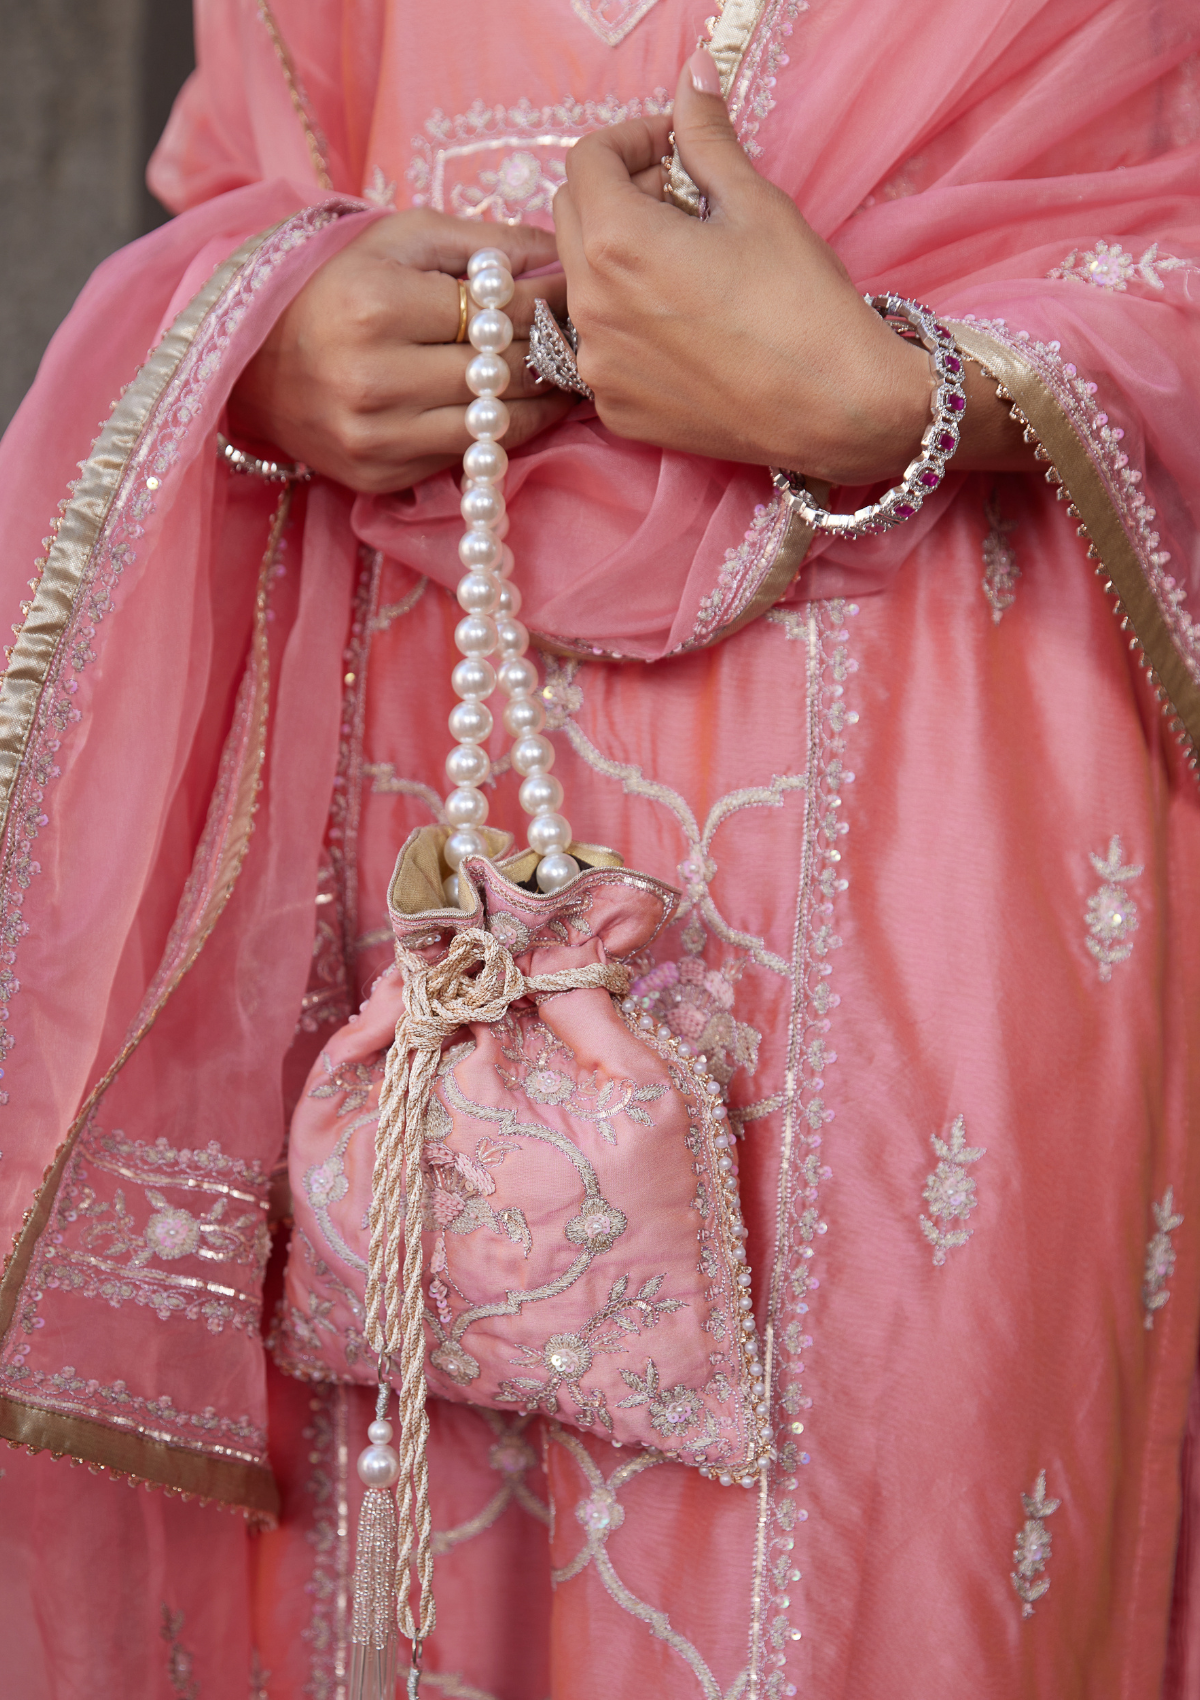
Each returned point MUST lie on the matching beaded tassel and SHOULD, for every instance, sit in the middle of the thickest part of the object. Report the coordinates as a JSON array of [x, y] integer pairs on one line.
[[373, 1630]]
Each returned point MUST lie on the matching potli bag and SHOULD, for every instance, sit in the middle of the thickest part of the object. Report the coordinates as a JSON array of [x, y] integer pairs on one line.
[[511, 1187]]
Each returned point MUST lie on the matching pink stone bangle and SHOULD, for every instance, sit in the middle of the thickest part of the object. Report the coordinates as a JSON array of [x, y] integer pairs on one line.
[[922, 475]]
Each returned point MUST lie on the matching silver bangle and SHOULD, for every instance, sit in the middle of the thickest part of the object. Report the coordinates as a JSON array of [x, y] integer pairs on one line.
[[272, 471], [922, 475]]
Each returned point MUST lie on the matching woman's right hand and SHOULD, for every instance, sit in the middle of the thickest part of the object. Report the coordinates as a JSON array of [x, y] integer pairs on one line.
[[361, 377]]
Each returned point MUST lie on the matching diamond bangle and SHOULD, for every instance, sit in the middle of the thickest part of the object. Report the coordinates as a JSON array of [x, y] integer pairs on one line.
[[272, 471], [922, 475]]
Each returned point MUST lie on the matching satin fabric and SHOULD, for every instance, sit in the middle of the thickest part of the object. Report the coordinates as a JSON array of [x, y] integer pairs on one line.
[[918, 825]]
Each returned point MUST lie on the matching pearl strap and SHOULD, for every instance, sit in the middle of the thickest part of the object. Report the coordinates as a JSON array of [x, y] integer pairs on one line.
[[490, 604], [922, 475]]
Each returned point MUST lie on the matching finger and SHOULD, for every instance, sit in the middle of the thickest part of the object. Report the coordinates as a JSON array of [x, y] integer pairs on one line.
[[552, 289], [616, 154], [708, 146], [651, 182], [569, 231], [600, 175], [436, 242]]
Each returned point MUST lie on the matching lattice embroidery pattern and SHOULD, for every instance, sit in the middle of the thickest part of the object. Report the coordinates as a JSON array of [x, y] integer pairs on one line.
[[1104, 440], [950, 1191], [1112, 916], [1032, 1551], [1109, 266], [1000, 569], [1160, 1256], [520, 181], [611, 20]]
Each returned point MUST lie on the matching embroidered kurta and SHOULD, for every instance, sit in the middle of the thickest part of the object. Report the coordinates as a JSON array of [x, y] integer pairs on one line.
[[938, 843]]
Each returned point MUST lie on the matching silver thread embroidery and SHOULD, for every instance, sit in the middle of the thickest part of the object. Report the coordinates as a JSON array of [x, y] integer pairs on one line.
[[1109, 266], [1000, 569], [1160, 1256], [1112, 914], [950, 1191], [1032, 1552]]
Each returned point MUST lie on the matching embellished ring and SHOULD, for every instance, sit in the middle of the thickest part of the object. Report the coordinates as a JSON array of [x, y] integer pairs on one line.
[[552, 352], [464, 302], [923, 475], [271, 471]]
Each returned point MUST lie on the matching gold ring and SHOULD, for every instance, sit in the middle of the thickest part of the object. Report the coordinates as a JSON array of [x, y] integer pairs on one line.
[[463, 304]]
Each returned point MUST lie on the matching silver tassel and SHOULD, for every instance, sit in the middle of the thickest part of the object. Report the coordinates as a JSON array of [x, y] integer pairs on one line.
[[373, 1630]]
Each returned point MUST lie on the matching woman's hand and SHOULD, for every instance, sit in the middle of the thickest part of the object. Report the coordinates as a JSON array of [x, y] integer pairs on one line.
[[361, 376], [740, 337]]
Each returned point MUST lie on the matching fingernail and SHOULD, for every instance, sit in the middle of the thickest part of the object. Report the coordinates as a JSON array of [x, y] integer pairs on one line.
[[706, 79]]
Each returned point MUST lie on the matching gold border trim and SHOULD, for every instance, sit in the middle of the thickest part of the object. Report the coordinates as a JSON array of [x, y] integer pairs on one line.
[[1040, 410], [731, 36], [245, 1487]]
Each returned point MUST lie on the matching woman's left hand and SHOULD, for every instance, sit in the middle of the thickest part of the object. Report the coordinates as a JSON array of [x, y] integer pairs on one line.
[[741, 337]]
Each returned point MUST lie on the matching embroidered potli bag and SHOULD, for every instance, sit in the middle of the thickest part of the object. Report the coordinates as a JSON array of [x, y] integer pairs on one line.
[[511, 1187]]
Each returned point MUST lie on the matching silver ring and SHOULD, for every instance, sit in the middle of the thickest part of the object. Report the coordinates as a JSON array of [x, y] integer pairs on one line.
[[552, 352]]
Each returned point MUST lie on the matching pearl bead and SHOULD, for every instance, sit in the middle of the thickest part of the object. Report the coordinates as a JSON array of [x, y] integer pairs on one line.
[[523, 715], [511, 636], [473, 678], [466, 807], [478, 593], [378, 1466], [547, 833], [451, 892], [501, 526], [484, 259], [541, 794], [492, 287], [380, 1432], [555, 871], [476, 635], [532, 753], [490, 332], [486, 461], [488, 374], [518, 677], [510, 598], [479, 549], [467, 764], [470, 722], [487, 416], [507, 561], [461, 844], [482, 504]]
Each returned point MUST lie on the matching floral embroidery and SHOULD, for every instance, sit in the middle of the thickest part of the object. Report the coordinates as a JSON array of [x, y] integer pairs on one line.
[[611, 20], [326, 1183], [1160, 1256], [673, 1410], [696, 1002], [535, 1053], [742, 570], [1000, 569], [751, 98], [950, 1191], [115, 1405], [1109, 266], [295, 1338], [379, 191], [355, 1080], [512, 1457], [521, 182], [568, 1357], [1032, 1551], [179, 1660], [1111, 912]]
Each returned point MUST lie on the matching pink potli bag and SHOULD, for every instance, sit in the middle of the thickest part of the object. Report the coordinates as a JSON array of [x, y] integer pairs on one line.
[[510, 1187]]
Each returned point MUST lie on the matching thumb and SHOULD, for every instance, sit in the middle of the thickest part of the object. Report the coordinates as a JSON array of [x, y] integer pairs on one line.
[[708, 146]]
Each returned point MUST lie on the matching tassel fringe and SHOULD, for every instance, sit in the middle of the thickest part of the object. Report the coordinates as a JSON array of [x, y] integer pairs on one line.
[[373, 1632]]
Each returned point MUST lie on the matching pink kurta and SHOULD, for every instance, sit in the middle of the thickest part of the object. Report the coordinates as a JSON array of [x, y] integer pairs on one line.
[[938, 844]]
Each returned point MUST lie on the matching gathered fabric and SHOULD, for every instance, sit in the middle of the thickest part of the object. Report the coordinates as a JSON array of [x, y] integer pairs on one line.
[[929, 805]]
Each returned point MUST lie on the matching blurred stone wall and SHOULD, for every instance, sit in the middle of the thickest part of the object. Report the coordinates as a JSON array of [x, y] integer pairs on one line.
[[85, 89]]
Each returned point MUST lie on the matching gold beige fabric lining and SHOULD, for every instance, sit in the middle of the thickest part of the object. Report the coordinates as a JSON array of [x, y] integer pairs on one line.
[[1037, 407]]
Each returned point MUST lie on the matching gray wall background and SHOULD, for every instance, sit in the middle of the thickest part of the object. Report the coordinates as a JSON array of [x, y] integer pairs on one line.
[[85, 89]]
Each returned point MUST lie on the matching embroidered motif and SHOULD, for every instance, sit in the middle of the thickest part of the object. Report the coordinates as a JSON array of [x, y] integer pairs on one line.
[[1112, 914], [512, 1457], [355, 1080], [1104, 440], [295, 1338], [379, 191], [179, 1660], [326, 1183], [1160, 1256], [327, 1632], [154, 1419], [1032, 1552], [696, 1002], [743, 567], [950, 1191], [1000, 569], [586, 1097], [568, 1357], [522, 181], [1109, 266], [751, 98], [611, 20], [673, 1410]]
